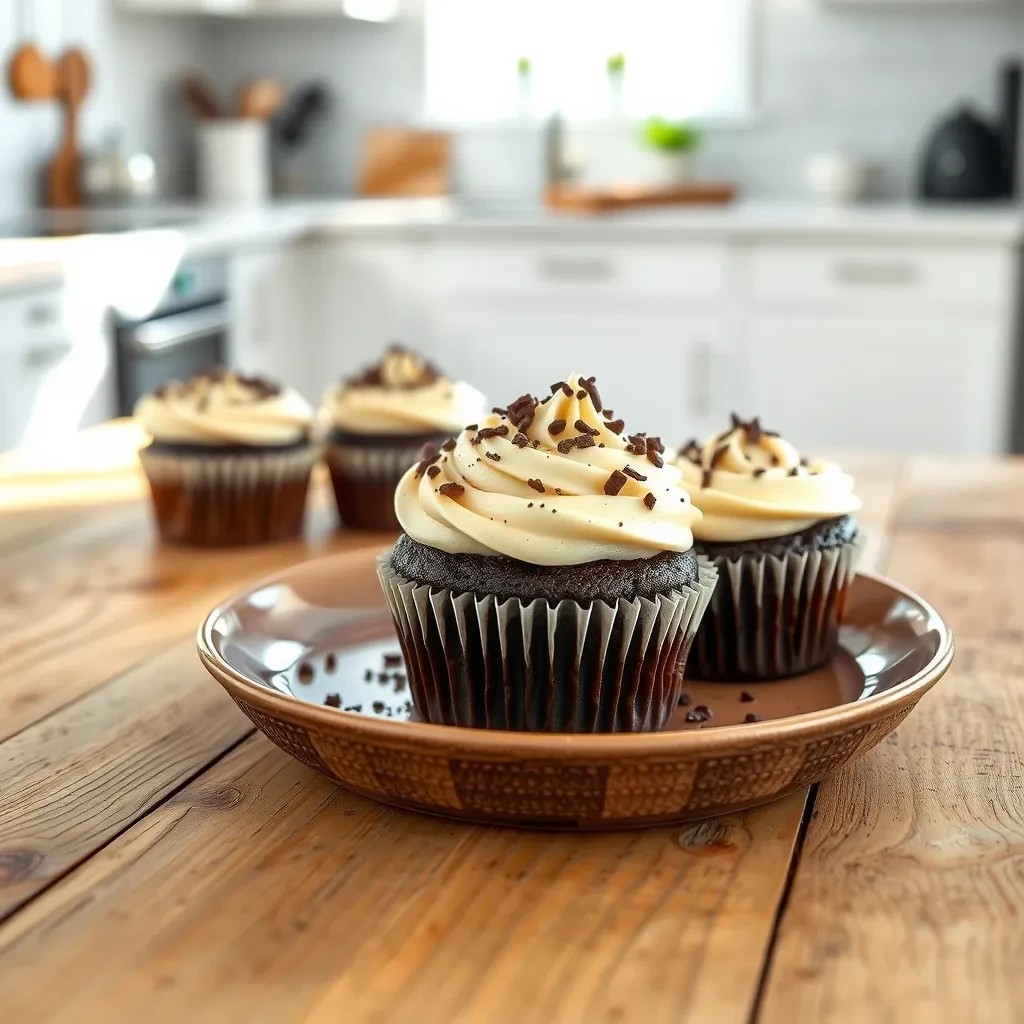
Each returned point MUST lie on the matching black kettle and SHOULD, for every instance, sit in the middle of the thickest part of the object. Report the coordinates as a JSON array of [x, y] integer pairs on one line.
[[967, 158]]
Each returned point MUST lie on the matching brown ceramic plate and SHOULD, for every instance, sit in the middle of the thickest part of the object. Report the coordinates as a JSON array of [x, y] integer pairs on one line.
[[321, 628]]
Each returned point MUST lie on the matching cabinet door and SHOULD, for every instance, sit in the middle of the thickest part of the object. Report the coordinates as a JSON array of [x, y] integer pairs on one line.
[[881, 384], [666, 375]]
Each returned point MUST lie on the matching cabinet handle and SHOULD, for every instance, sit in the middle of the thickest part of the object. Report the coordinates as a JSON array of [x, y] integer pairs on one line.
[[38, 356], [700, 380], [41, 313], [576, 268], [892, 273]]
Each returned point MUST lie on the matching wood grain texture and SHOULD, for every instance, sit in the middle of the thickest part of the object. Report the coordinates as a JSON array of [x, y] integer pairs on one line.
[[908, 898], [261, 876], [72, 782]]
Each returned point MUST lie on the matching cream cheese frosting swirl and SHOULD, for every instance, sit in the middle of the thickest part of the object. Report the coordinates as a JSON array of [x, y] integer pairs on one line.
[[225, 408], [402, 394], [549, 483], [751, 484]]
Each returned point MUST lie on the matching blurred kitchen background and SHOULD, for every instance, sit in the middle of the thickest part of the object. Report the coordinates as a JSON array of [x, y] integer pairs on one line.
[[804, 209]]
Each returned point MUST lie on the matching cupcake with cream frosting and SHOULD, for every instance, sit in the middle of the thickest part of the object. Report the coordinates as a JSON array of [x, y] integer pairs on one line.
[[780, 529], [379, 421], [546, 578], [230, 459]]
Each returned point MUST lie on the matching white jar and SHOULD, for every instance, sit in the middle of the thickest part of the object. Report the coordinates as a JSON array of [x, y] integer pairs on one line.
[[233, 160]]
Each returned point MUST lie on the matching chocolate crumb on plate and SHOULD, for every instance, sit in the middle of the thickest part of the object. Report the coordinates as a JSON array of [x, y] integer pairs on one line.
[[379, 706], [333, 700], [751, 717], [368, 675], [330, 662], [306, 673], [685, 700], [701, 713], [760, 471], [746, 698], [393, 661]]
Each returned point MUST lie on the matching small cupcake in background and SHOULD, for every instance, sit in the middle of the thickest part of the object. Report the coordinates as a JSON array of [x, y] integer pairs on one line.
[[546, 579], [230, 459], [780, 530], [379, 421]]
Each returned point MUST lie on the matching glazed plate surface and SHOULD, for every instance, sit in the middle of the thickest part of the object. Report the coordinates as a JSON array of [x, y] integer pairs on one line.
[[320, 631]]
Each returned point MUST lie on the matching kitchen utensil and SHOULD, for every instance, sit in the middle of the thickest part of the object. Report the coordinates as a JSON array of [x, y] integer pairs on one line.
[[233, 160], [31, 75], [110, 174], [74, 75], [403, 162], [298, 115], [200, 97], [623, 197], [837, 178], [285, 646], [260, 98]]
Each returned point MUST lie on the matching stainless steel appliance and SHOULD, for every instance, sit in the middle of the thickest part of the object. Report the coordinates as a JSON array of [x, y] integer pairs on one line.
[[186, 332]]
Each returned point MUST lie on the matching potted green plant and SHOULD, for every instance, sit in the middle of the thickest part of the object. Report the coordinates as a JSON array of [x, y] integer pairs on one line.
[[675, 143], [615, 68]]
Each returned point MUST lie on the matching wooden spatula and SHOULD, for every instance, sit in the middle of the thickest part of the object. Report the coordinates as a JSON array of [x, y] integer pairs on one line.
[[73, 85]]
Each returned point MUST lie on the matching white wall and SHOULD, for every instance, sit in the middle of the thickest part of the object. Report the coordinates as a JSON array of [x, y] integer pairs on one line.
[[871, 80], [136, 62]]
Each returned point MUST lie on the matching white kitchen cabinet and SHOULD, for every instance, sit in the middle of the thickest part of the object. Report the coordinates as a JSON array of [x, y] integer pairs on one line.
[[35, 350], [364, 10], [881, 383], [270, 295], [665, 374]]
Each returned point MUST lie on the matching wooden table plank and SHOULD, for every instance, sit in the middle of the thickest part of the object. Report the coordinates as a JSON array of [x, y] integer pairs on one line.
[[71, 783], [907, 900], [261, 877]]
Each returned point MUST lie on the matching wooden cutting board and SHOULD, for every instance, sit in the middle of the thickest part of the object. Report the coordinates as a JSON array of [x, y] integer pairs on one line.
[[623, 197], [403, 162]]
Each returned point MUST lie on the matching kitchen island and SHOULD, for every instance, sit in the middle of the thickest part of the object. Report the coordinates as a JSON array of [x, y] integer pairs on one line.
[[159, 859]]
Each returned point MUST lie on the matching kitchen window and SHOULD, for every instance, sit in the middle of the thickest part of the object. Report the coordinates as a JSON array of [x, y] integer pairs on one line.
[[488, 60]]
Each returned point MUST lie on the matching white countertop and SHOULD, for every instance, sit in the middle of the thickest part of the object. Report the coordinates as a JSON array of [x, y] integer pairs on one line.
[[109, 236]]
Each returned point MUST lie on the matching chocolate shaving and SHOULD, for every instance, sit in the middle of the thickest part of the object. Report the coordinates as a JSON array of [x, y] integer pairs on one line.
[[333, 700], [616, 426], [649, 500], [306, 672], [795, 471], [433, 471], [591, 388], [585, 428], [655, 459], [615, 483], [630, 471], [566, 390], [489, 432], [655, 444], [719, 455], [705, 478], [521, 441], [555, 427], [521, 411], [449, 445], [760, 471], [691, 451], [451, 489], [737, 422], [770, 433], [493, 456], [373, 376], [430, 454], [584, 441], [536, 485], [581, 393], [753, 431]]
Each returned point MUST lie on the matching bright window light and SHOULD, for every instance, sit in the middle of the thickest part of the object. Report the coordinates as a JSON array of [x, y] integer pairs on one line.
[[682, 58]]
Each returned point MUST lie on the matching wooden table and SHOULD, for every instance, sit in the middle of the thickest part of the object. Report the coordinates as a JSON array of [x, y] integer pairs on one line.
[[161, 861]]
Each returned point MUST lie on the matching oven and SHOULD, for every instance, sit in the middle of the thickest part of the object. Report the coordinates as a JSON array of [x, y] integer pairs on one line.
[[187, 331]]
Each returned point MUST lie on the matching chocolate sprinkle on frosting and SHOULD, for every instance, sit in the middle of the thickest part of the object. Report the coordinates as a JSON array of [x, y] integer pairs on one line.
[[615, 483], [449, 445], [433, 471], [581, 393], [451, 490], [630, 471], [566, 390], [493, 456], [705, 478], [488, 432], [555, 427], [430, 454], [616, 426], [649, 500], [795, 471], [521, 440], [760, 471], [655, 459], [373, 376], [585, 428], [537, 485], [521, 411], [591, 389]]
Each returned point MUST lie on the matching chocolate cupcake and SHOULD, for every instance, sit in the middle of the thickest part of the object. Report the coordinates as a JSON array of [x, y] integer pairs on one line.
[[229, 461], [379, 422], [546, 579], [781, 532]]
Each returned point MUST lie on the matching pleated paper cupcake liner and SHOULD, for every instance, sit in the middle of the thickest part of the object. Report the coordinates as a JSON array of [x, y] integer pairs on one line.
[[774, 616], [364, 480], [480, 661], [228, 500]]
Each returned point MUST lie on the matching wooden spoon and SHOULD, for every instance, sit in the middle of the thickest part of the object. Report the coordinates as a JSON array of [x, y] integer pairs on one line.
[[200, 97], [73, 72], [31, 75], [260, 98]]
